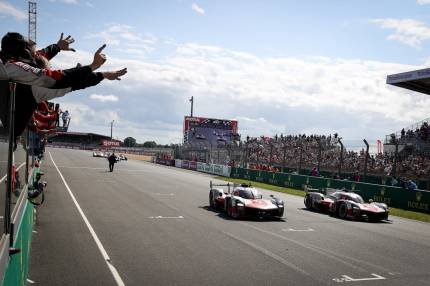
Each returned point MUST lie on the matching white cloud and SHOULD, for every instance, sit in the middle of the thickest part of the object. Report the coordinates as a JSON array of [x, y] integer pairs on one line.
[[73, 2], [104, 98], [423, 2], [125, 39], [196, 8], [8, 9], [407, 31], [267, 95]]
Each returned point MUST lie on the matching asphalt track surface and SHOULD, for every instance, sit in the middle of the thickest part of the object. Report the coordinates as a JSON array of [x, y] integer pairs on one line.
[[157, 229]]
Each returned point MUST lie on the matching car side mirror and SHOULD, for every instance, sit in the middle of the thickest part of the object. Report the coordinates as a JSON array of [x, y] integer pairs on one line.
[[370, 201]]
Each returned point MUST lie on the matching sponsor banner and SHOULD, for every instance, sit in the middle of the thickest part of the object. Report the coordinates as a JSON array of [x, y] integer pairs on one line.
[[185, 164], [165, 162], [193, 165], [108, 143], [220, 170]]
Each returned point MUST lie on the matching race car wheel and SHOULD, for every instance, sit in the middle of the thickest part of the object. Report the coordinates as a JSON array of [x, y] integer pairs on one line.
[[211, 200], [308, 202], [342, 211], [229, 209]]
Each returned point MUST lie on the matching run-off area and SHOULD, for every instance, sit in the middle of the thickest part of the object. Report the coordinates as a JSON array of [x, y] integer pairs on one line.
[[155, 224]]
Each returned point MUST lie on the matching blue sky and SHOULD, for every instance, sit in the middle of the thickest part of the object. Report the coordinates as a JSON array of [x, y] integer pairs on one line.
[[276, 66]]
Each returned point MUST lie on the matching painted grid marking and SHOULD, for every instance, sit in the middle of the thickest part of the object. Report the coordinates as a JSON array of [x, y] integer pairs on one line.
[[103, 252]]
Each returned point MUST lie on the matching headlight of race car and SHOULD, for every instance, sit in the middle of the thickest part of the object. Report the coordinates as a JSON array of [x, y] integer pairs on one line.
[[383, 206], [238, 204]]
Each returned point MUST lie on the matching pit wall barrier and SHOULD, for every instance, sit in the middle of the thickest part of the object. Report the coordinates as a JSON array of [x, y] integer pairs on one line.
[[17, 269], [215, 169], [220, 170], [165, 162], [418, 200], [23, 220]]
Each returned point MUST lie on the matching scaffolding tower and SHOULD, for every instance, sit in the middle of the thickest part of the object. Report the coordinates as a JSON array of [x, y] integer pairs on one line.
[[32, 16]]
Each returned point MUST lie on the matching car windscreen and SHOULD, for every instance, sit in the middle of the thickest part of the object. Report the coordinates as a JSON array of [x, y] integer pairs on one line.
[[250, 194], [356, 198]]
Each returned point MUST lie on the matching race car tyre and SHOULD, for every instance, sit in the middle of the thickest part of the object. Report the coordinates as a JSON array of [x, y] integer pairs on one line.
[[229, 209], [308, 202], [342, 211], [211, 200]]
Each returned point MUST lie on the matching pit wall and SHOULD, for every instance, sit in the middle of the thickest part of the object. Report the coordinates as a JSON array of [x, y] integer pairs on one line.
[[17, 269], [418, 201]]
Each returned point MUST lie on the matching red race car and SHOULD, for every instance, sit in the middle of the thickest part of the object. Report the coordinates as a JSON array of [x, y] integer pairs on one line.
[[240, 200], [347, 205]]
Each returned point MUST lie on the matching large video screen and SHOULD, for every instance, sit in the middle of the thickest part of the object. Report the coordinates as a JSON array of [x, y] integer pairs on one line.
[[209, 131]]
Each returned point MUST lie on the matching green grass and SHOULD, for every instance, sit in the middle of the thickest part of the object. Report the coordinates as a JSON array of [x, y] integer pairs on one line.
[[265, 186], [409, 214], [393, 211]]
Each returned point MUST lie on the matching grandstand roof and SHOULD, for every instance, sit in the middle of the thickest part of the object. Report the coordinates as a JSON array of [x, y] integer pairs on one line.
[[83, 134], [418, 80]]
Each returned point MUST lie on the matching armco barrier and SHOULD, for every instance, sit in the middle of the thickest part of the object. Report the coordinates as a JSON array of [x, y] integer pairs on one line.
[[393, 196]]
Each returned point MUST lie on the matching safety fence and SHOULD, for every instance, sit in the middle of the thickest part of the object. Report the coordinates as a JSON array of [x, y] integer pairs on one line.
[[414, 200]]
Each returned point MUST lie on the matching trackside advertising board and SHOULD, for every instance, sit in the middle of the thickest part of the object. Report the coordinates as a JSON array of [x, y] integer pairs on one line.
[[220, 170], [209, 131]]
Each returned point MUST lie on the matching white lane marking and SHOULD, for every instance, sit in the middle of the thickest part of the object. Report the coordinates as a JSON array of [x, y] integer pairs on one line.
[[5, 176], [168, 217], [159, 194], [81, 167], [102, 250], [269, 253], [346, 278], [306, 246], [292, 229]]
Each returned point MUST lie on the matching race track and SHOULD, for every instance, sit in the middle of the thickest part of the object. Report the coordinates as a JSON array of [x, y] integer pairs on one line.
[[155, 225]]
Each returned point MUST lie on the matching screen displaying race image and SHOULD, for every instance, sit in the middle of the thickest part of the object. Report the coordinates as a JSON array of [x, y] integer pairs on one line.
[[209, 131]]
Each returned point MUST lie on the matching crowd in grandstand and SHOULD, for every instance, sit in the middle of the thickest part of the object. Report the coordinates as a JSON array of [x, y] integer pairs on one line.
[[422, 133], [303, 150]]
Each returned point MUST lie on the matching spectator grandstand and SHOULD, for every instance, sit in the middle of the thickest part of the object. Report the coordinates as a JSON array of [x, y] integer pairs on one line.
[[303, 153]]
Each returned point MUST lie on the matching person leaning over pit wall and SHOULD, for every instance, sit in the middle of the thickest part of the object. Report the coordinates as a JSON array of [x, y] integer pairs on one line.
[[29, 66]]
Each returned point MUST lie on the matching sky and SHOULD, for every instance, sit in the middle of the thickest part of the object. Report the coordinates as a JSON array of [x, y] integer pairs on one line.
[[284, 66]]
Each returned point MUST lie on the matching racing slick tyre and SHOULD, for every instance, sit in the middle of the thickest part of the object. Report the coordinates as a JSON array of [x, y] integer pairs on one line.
[[230, 212], [342, 211], [211, 200], [308, 202]]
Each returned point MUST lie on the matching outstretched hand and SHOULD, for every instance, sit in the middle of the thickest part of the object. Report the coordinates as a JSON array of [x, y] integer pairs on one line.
[[64, 43], [114, 75], [99, 58]]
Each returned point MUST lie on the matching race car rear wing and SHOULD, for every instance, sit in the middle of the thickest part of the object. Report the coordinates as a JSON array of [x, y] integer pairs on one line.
[[228, 185], [324, 191]]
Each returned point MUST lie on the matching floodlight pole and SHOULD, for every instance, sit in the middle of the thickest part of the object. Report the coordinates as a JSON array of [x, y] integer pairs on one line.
[[111, 127], [367, 156], [192, 105]]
